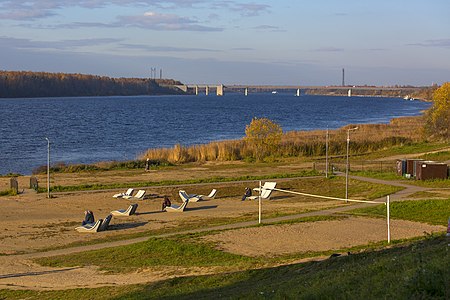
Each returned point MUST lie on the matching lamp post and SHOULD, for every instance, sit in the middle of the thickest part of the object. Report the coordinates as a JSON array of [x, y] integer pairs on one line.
[[347, 165], [326, 155], [48, 167]]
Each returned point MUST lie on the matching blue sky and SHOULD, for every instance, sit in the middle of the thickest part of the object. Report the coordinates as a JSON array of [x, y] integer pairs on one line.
[[382, 42]]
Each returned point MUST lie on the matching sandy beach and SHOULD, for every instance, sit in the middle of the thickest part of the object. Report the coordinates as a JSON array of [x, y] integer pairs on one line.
[[30, 222]]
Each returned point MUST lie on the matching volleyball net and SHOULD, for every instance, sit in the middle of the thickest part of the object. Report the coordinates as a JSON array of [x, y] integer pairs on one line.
[[334, 198]]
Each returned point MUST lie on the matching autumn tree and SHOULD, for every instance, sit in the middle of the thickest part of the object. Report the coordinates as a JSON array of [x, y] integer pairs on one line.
[[438, 116], [264, 135]]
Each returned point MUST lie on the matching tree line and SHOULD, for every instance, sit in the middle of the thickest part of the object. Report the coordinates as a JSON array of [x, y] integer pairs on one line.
[[25, 84]]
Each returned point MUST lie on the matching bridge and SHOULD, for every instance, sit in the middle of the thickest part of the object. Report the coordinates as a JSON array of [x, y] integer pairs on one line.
[[220, 89], [206, 88]]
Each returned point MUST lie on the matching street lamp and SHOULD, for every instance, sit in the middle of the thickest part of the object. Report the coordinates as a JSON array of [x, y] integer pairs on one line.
[[347, 166], [326, 155], [48, 167]]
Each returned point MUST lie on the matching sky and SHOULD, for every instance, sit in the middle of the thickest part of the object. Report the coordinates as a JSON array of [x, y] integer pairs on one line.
[[302, 42]]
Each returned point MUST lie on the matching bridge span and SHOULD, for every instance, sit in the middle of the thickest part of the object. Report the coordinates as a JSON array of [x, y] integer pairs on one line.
[[220, 89]]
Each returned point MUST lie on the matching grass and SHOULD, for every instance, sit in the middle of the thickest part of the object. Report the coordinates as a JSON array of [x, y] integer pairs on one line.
[[412, 148], [11, 192], [433, 211], [213, 179], [438, 156], [182, 251], [415, 270]]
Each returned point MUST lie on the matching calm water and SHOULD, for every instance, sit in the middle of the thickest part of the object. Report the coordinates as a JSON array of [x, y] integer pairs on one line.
[[90, 129]]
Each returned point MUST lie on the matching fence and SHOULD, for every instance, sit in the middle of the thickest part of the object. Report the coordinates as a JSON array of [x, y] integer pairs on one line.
[[357, 165]]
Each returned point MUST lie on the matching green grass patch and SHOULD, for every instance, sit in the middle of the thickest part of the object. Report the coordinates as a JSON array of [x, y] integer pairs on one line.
[[377, 175], [438, 156], [425, 195], [11, 192], [433, 211], [411, 148], [213, 179], [414, 270], [182, 252]]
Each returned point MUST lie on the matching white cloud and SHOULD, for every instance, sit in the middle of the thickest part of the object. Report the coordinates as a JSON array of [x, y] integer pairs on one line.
[[14, 43], [440, 43], [165, 48], [157, 21], [36, 9]]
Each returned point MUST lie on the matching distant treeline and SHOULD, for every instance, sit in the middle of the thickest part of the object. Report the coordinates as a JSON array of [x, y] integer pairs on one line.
[[424, 93], [24, 84]]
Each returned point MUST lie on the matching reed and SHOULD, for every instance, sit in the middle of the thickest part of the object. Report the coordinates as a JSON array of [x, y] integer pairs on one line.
[[368, 138]]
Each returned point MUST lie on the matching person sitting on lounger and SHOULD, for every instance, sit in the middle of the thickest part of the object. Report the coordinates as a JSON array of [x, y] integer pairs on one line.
[[248, 193], [88, 217], [166, 203]]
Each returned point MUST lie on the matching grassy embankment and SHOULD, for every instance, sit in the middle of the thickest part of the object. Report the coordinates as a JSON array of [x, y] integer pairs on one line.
[[370, 142], [410, 269]]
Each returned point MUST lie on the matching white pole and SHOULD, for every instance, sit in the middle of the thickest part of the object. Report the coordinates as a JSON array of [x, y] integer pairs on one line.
[[347, 166], [48, 167], [326, 155], [259, 200], [388, 222]]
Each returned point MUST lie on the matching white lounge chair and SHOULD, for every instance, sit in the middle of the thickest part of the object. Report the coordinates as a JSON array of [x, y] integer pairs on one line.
[[131, 210], [187, 197], [90, 227], [105, 223], [195, 197], [266, 191], [139, 196], [211, 195], [128, 193], [177, 208]]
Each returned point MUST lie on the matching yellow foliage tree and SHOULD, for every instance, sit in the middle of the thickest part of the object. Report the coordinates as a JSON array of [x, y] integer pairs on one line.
[[264, 135], [438, 116]]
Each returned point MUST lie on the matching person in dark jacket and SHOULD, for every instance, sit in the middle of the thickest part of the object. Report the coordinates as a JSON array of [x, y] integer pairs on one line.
[[166, 203], [248, 193], [88, 217]]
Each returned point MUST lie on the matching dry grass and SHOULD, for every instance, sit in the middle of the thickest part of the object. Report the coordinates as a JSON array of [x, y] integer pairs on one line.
[[368, 137]]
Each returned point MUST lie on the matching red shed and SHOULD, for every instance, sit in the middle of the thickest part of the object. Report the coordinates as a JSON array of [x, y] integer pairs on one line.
[[431, 170], [411, 166]]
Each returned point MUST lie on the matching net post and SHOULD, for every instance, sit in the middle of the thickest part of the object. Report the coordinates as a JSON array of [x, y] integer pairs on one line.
[[388, 220], [259, 203]]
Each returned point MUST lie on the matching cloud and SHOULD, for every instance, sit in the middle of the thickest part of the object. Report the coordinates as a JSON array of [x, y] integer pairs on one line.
[[328, 49], [439, 43], [251, 9], [242, 49], [38, 9], [269, 28], [14, 43], [157, 21], [148, 20], [165, 48]]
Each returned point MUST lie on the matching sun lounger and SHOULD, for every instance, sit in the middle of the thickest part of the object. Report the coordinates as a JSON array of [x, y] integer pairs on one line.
[[266, 191], [187, 197], [139, 196], [211, 195], [195, 198], [90, 227], [128, 193], [105, 223], [131, 210], [177, 208]]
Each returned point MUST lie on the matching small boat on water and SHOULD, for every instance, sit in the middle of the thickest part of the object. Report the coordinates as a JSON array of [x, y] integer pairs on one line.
[[274, 92]]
